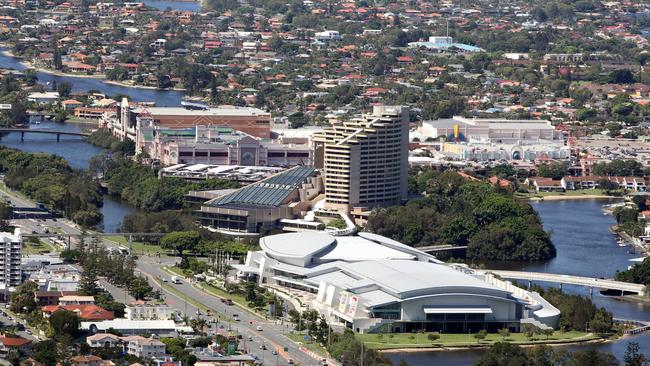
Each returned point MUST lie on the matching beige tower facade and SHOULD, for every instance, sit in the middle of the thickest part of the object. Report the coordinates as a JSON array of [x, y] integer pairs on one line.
[[365, 160]]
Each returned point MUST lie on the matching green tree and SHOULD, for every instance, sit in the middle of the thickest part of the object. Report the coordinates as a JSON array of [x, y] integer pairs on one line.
[[503, 353], [555, 170], [46, 353], [433, 336], [64, 323], [504, 333], [633, 356], [180, 241], [22, 301], [481, 335], [64, 88], [140, 288], [88, 281]]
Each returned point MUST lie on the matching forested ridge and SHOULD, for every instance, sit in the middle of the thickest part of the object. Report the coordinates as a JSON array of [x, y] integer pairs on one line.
[[460, 211]]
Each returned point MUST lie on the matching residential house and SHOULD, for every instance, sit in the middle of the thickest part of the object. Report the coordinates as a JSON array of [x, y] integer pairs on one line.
[[76, 300], [8, 343], [44, 298], [545, 184], [88, 312], [103, 340], [90, 360], [144, 347], [43, 98]]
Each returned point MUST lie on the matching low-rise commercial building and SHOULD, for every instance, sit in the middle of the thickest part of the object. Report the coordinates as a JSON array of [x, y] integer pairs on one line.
[[371, 283], [490, 130], [128, 118], [260, 206], [162, 328]]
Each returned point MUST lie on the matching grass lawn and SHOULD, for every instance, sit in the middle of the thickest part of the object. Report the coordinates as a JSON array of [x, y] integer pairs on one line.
[[41, 247], [407, 340], [310, 345], [138, 247]]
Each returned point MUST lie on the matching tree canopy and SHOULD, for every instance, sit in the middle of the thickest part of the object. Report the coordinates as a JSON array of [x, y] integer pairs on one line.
[[457, 211]]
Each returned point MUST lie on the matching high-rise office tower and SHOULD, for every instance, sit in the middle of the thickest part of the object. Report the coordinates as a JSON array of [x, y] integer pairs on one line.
[[365, 159]]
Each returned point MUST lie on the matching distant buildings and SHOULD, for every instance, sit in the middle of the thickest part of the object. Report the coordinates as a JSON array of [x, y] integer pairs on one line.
[[365, 160], [218, 145], [570, 183], [129, 118], [483, 139], [10, 256], [444, 44]]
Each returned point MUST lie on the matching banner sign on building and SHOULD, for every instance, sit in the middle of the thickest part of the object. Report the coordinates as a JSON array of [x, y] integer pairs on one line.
[[343, 301], [353, 305]]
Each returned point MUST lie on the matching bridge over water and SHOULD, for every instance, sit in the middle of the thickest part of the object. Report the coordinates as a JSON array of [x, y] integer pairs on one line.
[[625, 288], [58, 134]]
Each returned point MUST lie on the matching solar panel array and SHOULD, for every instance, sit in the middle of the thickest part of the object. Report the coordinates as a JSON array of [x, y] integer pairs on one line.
[[269, 192]]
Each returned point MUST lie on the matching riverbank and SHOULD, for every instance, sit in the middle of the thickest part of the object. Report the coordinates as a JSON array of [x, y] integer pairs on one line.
[[483, 347], [567, 195], [455, 342], [102, 77], [561, 197]]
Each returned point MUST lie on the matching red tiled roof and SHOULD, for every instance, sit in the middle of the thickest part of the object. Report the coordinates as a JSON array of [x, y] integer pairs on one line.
[[86, 312], [14, 341]]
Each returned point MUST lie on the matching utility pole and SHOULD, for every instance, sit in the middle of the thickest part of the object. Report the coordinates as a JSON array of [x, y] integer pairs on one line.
[[361, 363]]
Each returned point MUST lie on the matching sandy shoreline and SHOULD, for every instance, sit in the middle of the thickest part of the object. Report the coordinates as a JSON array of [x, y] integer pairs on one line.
[[561, 198]]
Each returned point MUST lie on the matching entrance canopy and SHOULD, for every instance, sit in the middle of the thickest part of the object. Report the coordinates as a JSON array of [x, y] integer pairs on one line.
[[457, 310]]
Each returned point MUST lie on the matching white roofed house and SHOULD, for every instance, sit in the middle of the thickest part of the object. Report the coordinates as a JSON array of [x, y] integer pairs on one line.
[[369, 282], [103, 340], [144, 347]]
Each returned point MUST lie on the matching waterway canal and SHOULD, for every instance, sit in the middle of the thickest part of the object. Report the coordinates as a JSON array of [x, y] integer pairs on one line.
[[193, 6], [77, 152], [81, 84]]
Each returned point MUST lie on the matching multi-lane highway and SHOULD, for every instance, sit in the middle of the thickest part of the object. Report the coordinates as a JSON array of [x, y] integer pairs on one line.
[[264, 338]]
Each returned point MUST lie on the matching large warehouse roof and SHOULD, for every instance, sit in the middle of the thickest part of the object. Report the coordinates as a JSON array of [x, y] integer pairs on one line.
[[268, 192]]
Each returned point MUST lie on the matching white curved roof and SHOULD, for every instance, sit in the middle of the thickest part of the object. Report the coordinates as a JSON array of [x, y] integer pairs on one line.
[[296, 248]]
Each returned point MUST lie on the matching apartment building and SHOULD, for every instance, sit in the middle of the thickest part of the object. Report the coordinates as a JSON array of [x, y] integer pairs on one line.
[[365, 160], [10, 255], [147, 311]]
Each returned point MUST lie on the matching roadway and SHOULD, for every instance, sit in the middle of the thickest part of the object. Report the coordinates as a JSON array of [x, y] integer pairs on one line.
[[272, 334]]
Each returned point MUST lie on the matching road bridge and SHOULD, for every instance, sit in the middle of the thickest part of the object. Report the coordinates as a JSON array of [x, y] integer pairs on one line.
[[626, 288], [441, 248], [58, 134]]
